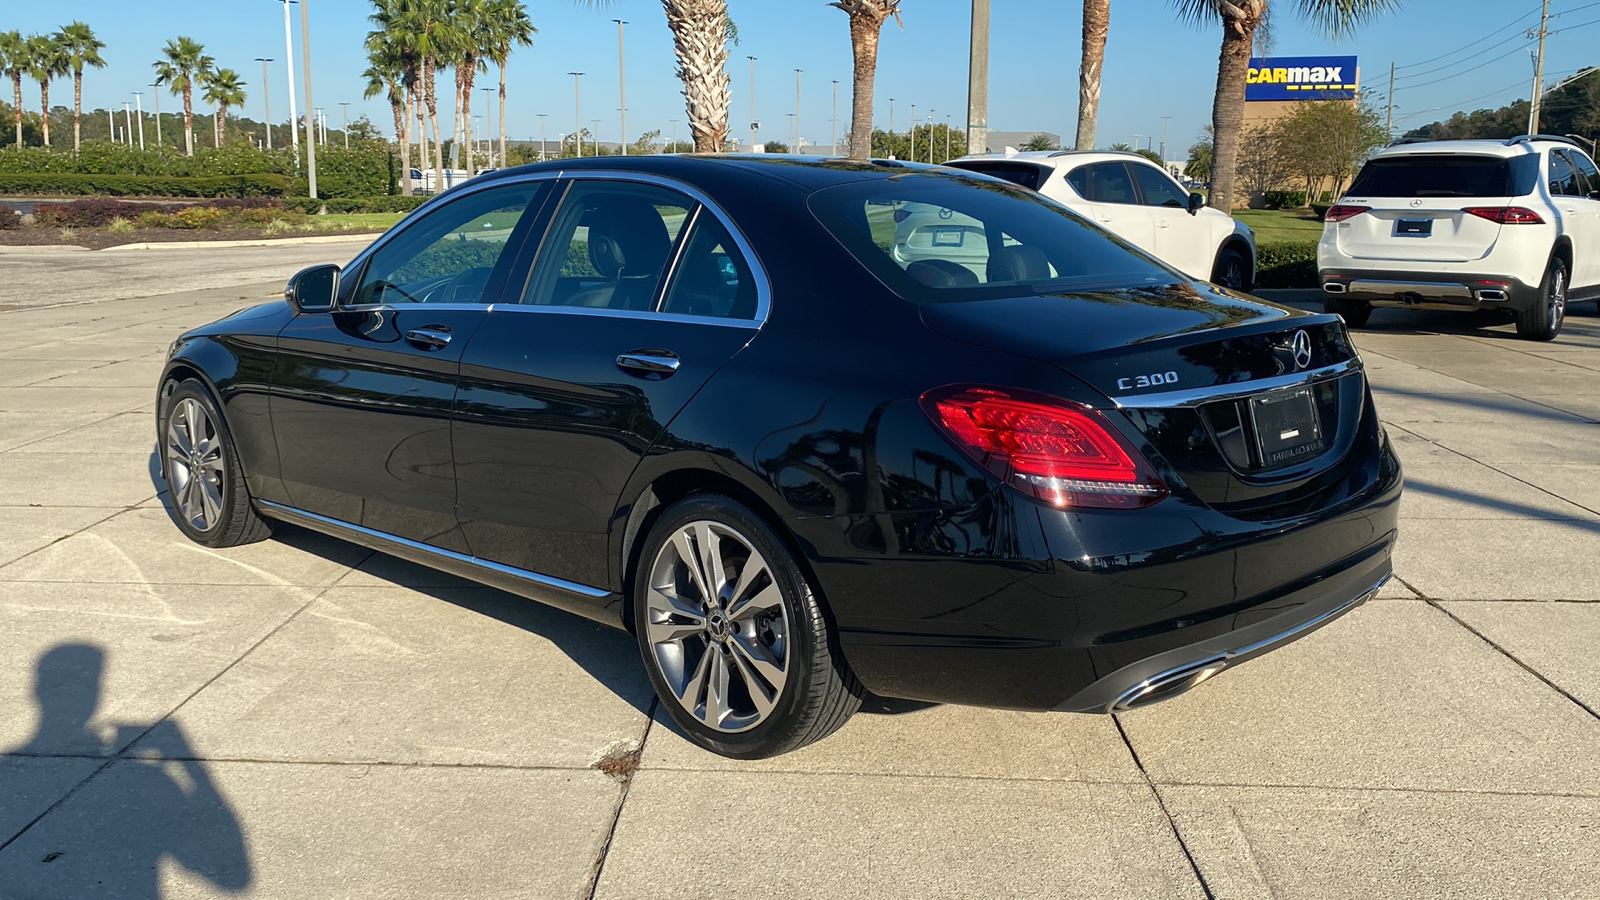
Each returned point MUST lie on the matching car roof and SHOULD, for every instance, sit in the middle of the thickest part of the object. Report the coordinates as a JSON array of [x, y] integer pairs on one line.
[[807, 173], [1057, 158], [1506, 149]]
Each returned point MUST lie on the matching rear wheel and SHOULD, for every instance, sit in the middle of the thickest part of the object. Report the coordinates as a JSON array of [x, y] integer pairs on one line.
[[1355, 312], [1232, 271], [205, 483], [1542, 321], [735, 642]]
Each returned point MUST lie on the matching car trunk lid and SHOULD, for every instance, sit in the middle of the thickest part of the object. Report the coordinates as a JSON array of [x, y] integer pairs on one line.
[[1418, 230]]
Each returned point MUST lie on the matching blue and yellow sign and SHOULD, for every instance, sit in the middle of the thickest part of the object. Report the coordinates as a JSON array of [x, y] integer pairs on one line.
[[1301, 78]]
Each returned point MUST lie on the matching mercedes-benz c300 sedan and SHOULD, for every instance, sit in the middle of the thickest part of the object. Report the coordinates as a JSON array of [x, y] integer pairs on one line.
[[711, 401]]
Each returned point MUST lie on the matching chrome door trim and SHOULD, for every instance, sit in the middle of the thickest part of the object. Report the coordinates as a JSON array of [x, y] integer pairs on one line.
[[1215, 393], [524, 574], [541, 309]]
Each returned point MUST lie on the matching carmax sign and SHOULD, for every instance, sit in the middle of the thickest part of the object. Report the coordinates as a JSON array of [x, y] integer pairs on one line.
[[1301, 78]]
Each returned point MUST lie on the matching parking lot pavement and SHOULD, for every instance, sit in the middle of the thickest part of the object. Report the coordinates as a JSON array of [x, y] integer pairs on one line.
[[304, 718]]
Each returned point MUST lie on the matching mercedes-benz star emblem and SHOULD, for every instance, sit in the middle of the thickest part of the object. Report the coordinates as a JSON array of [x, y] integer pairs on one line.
[[1302, 349], [1416, 203]]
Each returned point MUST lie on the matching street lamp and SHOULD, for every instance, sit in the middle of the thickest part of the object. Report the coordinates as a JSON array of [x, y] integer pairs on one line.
[[488, 127], [674, 135], [288, 44], [138, 105], [346, 125], [305, 50], [541, 136], [913, 150], [577, 109], [833, 138], [791, 131], [799, 142], [622, 88], [156, 95], [266, 97], [127, 118], [594, 135], [753, 121], [947, 137]]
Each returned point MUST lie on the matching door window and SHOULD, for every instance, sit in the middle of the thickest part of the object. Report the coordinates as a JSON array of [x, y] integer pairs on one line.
[[1588, 177], [1109, 183], [712, 277], [1159, 190], [608, 246], [448, 255], [1563, 178]]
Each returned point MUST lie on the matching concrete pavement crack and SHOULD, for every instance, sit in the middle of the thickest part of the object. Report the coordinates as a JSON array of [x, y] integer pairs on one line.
[[616, 817], [1508, 655], [1491, 467], [1172, 824]]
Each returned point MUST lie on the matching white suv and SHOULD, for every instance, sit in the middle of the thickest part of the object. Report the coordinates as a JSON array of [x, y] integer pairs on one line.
[[1511, 225], [1135, 199]]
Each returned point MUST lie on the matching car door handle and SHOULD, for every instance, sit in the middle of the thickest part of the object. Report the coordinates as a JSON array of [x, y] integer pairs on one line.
[[430, 337], [652, 364], [1163, 224]]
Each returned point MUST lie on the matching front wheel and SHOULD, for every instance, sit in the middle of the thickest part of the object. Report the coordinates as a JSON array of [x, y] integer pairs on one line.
[[205, 483], [1542, 321], [1232, 271], [735, 642]]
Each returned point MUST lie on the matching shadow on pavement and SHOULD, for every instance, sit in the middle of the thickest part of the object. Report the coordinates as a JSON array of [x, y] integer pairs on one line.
[[1483, 502], [112, 834], [1510, 404]]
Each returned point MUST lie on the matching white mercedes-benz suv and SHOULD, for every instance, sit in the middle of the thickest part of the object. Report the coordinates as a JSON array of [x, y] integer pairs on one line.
[[1135, 199], [1511, 225]]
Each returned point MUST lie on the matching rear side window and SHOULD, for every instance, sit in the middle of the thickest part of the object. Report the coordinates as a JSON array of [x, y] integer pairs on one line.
[[1563, 178], [941, 238], [1106, 182], [1449, 175], [1027, 175]]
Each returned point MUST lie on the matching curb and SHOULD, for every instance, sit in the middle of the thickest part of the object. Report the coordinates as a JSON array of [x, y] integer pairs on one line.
[[258, 242]]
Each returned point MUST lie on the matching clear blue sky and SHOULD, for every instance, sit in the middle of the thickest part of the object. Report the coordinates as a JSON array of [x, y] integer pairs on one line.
[[1155, 65]]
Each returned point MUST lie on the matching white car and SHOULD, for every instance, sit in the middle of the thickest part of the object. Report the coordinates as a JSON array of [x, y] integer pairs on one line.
[[1137, 200], [1511, 225]]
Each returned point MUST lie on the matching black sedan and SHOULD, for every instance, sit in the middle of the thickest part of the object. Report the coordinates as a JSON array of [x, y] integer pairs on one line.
[[807, 429]]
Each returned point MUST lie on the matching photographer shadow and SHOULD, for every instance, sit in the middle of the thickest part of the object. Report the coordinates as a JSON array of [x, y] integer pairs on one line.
[[152, 802]]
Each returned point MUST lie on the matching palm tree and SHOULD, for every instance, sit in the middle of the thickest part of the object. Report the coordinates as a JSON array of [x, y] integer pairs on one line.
[[389, 44], [386, 75], [701, 30], [182, 61], [223, 89], [422, 28], [468, 38], [1096, 24], [47, 60], [508, 26], [83, 49], [1240, 20], [13, 62], [1040, 142], [1121, 147], [866, 22]]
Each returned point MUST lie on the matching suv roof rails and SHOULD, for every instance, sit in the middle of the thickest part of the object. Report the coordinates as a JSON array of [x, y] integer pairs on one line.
[[1526, 138], [1410, 140]]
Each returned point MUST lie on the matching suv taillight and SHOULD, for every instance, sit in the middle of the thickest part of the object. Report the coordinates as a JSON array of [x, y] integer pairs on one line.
[[1340, 213], [1058, 451], [1506, 215]]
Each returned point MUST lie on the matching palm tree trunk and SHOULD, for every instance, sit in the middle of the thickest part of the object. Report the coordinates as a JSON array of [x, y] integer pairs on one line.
[[1227, 113], [44, 109], [700, 41], [864, 30], [430, 97], [222, 119], [77, 109], [464, 75], [503, 115], [188, 119], [397, 103], [1096, 23], [16, 84]]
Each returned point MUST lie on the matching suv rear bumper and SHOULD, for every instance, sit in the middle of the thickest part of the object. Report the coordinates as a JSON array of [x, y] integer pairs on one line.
[[1417, 290]]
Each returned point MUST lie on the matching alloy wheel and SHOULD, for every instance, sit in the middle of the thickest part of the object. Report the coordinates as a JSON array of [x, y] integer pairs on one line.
[[1556, 301], [195, 467], [717, 626], [1232, 275]]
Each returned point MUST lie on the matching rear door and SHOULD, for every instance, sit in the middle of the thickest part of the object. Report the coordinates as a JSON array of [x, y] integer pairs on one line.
[[1580, 211], [639, 294], [1114, 202]]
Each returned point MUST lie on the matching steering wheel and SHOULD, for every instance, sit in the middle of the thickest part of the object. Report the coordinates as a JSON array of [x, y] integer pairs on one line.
[[379, 288], [469, 282]]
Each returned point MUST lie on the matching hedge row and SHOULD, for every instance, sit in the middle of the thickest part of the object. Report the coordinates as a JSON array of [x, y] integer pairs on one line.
[[76, 184], [101, 211], [1287, 264], [361, 171], [380, 204]]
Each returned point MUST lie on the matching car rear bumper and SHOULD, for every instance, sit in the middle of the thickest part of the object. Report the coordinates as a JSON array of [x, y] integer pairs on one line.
[[1431, 290]]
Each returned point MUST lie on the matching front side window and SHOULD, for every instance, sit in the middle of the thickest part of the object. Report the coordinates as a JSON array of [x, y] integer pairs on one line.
[[1159, 190], [448, 255], [608, 246]]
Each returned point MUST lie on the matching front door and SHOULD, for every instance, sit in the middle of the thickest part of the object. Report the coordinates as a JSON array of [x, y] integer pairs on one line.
[[638, 296], [361, 397], [1114, 202], [1183, 239]]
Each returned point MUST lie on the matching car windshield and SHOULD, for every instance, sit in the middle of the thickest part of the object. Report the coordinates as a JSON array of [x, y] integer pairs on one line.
[[940, 238], [1452, 175]]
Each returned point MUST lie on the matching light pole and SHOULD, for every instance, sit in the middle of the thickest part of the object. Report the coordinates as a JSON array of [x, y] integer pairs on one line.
[[156, 95], [913, 150], [305, 50], [266, 98], [791, 131], [488, 127], [947, 137], [475, 119], [577, 111], [753, 122], [674, 135], [931, 111], [111, 122], [799, 142], [541, 136], [346, 125], [622, 87], [127, 118], [288, 44], [833, 138], [594, 135], [891, 118], [1166, 129], [138, 105]]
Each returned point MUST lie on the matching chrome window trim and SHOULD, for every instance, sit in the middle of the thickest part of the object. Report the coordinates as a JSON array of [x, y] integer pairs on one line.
[[1215, 393], [602, 312], [524, 574]]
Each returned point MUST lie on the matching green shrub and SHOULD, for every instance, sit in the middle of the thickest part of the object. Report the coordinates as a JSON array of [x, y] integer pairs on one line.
[[79, 184], [363, 171], [94, 213], [1284, 199], [385, 204], [448, 256], [1321, 209], [577, 264], [1287, 264]]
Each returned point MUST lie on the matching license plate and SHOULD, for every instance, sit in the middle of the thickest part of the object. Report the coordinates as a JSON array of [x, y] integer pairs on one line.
[[1287, 426], [1413, 227], [949, 237]]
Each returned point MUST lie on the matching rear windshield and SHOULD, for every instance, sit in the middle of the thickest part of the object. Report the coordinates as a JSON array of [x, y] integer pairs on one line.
[[939, 238], [1028, 175], [1447, 176]]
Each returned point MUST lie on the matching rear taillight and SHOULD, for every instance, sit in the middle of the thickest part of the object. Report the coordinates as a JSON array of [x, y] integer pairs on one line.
[[1055, 450], [901, 214], [1340, 213], [1506, 215]]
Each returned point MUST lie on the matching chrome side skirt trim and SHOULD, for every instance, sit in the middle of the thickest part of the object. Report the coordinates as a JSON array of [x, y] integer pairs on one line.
[[1201, 396], [524, 574]]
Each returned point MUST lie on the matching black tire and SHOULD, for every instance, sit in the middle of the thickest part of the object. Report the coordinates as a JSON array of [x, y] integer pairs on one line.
[[1542, 321], [818, 691], [1232, 270], [234, 520], [1355, 312]]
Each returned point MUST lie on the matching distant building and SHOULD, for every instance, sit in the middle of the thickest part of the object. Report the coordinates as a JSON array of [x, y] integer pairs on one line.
[[998, 141]]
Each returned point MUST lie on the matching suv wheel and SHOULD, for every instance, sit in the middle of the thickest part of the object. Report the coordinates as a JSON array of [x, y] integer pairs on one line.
[[1542, 321], [735, 643], [1355, 312], [1231, 270]]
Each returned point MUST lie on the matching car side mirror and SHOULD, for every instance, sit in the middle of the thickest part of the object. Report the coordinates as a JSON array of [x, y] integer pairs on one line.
[[1197, 202], [1594, 195], [313, 290]]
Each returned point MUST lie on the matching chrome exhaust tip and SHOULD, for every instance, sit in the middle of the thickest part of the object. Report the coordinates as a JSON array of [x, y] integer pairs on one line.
[[1168, 684], [1492, 295], [1334, 287]]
